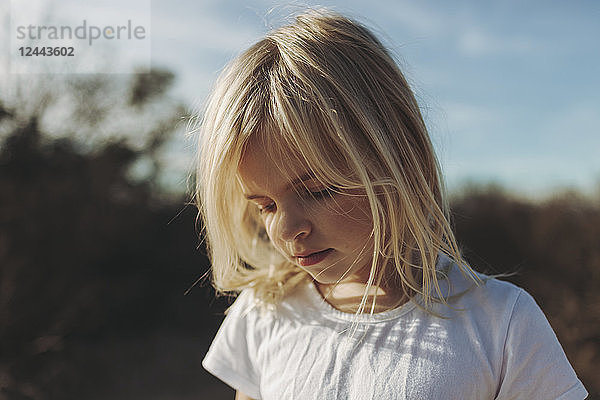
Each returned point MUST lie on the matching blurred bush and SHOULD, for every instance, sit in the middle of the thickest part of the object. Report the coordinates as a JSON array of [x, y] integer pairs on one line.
[[94, 261]]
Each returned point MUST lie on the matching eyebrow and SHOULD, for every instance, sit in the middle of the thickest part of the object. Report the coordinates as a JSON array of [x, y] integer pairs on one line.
[[307, 176]]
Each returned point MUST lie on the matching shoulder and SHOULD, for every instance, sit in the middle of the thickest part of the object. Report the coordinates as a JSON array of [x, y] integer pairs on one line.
[[516, 335], [248, 310], [490, 306], [244, 303], [480, 291], [250, 313], [534, 365]]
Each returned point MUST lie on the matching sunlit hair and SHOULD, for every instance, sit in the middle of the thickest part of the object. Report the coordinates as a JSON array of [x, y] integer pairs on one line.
[[325, 92]]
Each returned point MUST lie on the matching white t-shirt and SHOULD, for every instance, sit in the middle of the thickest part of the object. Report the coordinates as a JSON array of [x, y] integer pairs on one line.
[[494, 343]]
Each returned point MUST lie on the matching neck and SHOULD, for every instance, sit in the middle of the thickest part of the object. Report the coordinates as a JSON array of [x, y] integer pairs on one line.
[[347, 296]]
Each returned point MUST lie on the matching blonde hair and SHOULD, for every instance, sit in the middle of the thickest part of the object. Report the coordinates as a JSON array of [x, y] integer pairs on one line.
[[325, 91]]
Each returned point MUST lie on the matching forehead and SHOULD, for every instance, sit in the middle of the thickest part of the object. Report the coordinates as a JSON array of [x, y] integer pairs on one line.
[[263, 167]]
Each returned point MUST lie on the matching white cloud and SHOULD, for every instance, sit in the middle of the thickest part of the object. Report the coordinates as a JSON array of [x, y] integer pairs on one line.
[[577, 119], [573, 134], [198, 39], [468, 118], [202, 30], [417, 19], [476, 42]]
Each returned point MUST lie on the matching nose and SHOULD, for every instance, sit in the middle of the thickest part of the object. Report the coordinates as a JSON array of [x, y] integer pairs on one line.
[[292, 224]]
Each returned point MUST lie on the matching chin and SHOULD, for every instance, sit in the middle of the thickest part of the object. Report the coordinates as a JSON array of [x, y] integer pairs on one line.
[[324, 279], [332, 276]]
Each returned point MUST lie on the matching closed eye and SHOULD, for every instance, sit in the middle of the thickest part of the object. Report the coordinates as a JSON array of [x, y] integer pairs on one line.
[[326, 193], [266, 208], [321, 194]]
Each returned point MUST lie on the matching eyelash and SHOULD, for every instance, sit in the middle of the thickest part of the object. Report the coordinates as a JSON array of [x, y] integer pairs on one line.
[[317, 195], [321, 193], [268, 207]]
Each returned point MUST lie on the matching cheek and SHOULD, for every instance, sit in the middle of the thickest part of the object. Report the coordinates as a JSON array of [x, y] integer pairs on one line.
[[351, 216], [354, 208], [270, 224]]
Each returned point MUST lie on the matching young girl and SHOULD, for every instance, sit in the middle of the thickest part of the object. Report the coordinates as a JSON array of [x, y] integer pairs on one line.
[[323, 207]]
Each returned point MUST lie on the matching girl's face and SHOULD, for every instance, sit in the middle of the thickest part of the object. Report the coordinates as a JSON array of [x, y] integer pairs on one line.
[[326, 234]]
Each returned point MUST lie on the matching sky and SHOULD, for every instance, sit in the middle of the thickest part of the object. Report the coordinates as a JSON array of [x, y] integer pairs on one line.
[[510, 90]]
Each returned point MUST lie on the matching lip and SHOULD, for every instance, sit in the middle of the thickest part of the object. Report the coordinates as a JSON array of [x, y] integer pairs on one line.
[[306, 259]]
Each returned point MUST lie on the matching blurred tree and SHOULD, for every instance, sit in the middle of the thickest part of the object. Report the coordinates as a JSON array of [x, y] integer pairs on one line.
[[148, 85]]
